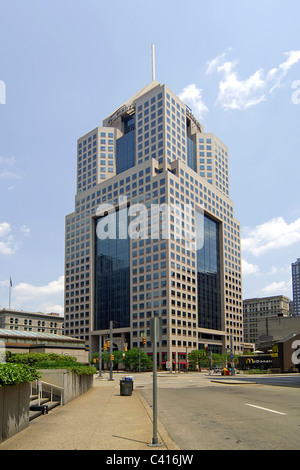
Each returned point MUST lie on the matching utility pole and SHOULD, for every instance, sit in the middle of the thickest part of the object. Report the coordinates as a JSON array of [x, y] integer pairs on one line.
[[210, 362], [139, 359], [111, 349], [9, 294], [100, 355], [231, 355], [155, 337], [142, 334]]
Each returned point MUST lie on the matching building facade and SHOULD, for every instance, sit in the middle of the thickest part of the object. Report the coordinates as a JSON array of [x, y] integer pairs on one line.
[[165, 184], [258, 309], [296, 286], [21, 320]]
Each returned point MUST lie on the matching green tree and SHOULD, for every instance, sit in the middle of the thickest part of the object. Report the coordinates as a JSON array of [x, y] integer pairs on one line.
[[198, 357], [131, 360], [118, 358]]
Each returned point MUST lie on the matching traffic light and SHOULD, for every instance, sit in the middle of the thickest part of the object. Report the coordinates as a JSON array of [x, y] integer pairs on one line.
[[144, 340], [105, 347], [112, 357], [108, 343], [125, 348]]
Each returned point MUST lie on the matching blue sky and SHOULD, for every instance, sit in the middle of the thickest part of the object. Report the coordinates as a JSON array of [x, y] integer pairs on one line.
[[65, 65]]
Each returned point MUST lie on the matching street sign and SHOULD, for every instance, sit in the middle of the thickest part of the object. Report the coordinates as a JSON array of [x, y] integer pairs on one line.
[[155, 329]]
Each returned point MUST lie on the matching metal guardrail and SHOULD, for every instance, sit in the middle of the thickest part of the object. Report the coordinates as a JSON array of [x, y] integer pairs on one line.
[[39, 390]]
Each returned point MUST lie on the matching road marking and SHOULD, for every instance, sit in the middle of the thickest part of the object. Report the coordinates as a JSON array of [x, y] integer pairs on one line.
[[266, 409]]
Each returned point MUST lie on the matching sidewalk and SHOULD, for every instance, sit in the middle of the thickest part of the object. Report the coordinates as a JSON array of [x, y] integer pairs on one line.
[[100, 419]]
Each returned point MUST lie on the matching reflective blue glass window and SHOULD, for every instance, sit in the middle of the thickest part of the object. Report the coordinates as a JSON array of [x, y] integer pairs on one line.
[[191, 154], [112, 279], [125, 146], [208, 274]]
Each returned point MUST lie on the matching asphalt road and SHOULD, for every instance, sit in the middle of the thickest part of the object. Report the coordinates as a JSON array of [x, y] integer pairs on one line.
[[232, 414]]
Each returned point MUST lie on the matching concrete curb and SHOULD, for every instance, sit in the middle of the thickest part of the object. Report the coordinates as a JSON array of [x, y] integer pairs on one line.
[[232, 382]]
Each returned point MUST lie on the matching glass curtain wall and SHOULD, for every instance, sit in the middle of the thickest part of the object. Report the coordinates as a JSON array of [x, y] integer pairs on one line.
[[112, 280], [191, 154], [208, 275], [125, 146]]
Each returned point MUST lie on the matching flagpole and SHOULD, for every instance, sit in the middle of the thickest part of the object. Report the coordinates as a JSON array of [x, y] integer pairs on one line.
[[9, 300]]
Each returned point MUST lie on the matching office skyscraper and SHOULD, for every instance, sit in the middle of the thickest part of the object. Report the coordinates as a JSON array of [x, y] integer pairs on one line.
[[296, 286], [151, 154]]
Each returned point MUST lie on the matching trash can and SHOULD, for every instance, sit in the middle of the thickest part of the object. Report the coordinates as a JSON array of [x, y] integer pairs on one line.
[[129, 378], [125, 387]]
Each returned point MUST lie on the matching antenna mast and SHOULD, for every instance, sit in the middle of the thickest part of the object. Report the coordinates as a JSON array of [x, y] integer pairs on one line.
[[153, 62]]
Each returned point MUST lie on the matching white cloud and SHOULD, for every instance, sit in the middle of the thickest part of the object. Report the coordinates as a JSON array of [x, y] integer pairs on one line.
[[273, 270], [271, 235], [213, 64], [6, 167], [25, 290], [277, 74], [4, 283], [5, 175], [235, 93], [249, 268], [7, 161], [8, 245], [277, 288], [192, 96], [48, 307], [25, 230], [46, 299], [4, 229], [239, 94]]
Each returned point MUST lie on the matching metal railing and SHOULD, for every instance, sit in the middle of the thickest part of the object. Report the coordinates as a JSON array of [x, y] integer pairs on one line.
[[39, 386]]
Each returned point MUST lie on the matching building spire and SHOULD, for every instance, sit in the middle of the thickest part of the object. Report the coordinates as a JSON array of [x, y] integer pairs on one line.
[[153, 62]]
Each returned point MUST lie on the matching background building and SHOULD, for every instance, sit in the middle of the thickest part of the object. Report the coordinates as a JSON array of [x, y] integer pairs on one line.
[[17, 341], [296, 286], [261, 308], [152, 151], [270, 330], [31, 321]]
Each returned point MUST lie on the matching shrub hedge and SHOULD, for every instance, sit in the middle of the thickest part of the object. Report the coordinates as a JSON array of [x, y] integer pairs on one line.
[[50, 361], [12, 374]]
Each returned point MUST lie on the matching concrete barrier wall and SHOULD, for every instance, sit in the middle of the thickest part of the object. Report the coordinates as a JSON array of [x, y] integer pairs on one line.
[[15, 399], [74, 385], [14, 409]]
